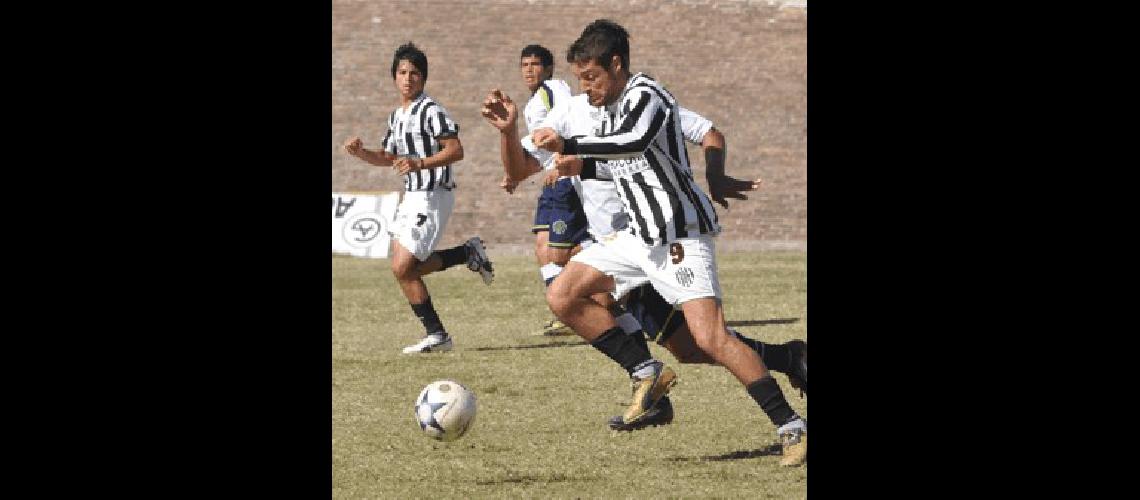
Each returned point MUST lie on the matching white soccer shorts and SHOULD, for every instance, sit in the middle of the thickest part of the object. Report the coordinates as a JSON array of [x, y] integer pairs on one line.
[[680, 271], [420, 220]]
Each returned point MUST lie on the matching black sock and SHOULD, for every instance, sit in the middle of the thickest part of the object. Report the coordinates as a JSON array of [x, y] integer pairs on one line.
[[776, 357], [453, 256], [623, 349], [426, 313], [768, 395]]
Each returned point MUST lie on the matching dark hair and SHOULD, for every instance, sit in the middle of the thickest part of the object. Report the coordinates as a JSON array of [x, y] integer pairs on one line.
[[599, 42], [412, 54], [541, 53]]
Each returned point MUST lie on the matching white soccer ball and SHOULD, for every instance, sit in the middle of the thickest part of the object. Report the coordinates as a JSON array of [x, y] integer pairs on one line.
[[445, 410]]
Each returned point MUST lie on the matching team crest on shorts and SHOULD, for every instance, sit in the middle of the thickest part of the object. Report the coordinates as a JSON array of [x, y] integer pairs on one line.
[[558, 227], [685, 277]]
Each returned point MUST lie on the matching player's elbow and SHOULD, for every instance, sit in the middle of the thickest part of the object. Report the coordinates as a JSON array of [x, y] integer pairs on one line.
[[713, 139]]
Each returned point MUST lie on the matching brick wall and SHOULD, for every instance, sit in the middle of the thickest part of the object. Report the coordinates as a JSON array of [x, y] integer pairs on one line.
[[742, 64]]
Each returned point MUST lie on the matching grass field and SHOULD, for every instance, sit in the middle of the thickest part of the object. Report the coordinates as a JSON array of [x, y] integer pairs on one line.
[[543, 402]]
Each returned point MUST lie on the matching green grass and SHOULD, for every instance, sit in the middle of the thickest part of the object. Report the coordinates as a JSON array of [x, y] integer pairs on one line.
[[543, 402]]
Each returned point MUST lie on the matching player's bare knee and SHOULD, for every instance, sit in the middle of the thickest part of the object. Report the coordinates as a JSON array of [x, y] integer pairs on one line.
[[405, 269], [557, 298]]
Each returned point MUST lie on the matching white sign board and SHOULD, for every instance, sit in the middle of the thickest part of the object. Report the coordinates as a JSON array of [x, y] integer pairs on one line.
[[360, 223]]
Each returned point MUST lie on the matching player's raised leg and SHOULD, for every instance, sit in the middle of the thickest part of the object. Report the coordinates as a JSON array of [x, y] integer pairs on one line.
[[569, 299]]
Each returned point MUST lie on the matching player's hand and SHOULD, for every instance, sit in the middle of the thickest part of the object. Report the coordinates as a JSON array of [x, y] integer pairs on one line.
[[508, 184], [722, 187], [548, 139], [551, 177], [354, 146], [405, 165], [566, 165], [499, 110]]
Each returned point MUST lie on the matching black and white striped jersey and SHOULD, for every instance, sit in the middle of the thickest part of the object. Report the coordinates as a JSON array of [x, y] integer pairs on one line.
[[642, 138], [415, 131]]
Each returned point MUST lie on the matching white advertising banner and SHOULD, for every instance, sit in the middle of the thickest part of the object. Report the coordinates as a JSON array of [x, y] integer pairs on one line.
[[360, 223]]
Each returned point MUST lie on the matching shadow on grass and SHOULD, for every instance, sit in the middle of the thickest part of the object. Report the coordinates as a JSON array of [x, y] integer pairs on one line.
[[755, 322], [767, 451], [558, 343], [526, 479]]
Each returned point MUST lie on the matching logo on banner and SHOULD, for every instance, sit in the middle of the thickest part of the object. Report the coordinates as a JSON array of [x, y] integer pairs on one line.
[[362, 229]]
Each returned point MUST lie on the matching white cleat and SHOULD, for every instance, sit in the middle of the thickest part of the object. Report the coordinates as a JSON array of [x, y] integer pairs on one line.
[[430, 343]]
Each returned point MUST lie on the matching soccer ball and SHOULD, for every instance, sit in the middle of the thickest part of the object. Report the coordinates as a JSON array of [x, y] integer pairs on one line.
[[445, 410]]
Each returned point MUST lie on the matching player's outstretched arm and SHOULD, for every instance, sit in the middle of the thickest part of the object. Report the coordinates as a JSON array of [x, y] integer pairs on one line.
[[721, 186], [502, 113], [380, 158]]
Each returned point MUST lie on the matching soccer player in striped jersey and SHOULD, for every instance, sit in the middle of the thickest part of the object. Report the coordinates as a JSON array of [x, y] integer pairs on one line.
[[559, 223], [422, 144], [650, 313], [672, 224]]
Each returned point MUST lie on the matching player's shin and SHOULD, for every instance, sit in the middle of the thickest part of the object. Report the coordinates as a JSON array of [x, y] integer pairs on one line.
[[766, 392]]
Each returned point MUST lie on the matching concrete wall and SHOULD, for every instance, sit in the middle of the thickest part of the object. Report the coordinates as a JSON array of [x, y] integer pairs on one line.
[[742, 64]]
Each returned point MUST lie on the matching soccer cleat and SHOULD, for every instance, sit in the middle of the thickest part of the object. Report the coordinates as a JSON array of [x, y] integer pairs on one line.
[[477, 259], [793, 439], [555, 328], [798, 375], [647, 392], [430, 343], [660, 414]]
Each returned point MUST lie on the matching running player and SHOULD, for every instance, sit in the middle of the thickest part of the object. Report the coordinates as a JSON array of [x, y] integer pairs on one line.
[[669, 243], [559, 224], [422, 144], [657, 318]]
